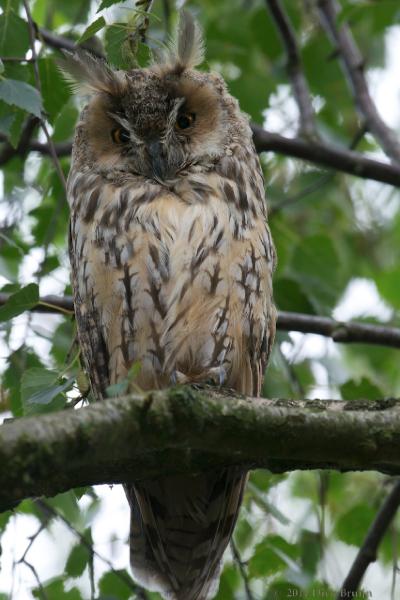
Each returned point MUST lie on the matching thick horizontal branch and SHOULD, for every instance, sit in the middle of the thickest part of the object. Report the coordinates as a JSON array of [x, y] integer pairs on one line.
[[182, 430], [319, 153], [326, 155], [344, 332]]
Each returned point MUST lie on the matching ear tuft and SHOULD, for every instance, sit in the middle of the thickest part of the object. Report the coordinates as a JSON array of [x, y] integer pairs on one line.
[[186, 49], [88, 73]]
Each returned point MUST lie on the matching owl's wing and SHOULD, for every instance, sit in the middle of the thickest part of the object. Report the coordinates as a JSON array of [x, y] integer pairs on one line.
[[93, 347]]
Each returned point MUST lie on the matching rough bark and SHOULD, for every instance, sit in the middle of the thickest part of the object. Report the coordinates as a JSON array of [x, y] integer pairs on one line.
[[186, 430]]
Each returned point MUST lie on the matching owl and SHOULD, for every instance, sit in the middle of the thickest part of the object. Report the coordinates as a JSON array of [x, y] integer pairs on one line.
[[171, 260]]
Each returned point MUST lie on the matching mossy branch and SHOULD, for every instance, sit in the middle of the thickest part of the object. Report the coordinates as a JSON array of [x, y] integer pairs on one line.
[[185, 430]]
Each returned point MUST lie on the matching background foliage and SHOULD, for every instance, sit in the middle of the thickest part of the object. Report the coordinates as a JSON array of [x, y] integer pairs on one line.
[[336, 237]]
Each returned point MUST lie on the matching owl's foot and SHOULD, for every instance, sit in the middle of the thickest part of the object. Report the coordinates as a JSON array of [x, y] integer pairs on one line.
[[177, 377], [215, 376]]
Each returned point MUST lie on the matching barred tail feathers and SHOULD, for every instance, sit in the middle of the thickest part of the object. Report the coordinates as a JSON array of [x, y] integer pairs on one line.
[[180, 527]]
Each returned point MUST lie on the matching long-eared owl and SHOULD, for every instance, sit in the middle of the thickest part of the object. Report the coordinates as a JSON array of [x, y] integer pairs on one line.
[[171, 260]]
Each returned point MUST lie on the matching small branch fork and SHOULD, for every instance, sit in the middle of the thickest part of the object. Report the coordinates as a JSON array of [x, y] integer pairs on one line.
[[353, 66], [343, 332], [48, 511], [368, 551], [295, 71]]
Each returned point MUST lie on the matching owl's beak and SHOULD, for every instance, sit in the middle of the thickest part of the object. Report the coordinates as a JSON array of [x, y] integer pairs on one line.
[[157, 158]]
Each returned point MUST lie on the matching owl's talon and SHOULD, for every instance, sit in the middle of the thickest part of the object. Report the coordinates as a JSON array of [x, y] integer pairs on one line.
[[216, 376]]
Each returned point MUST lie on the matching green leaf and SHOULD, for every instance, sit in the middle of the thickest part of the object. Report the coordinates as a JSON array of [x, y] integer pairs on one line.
[[352, 527], [316, 267], [362, 389], [77, 561], [310, 549], [41, 390], [55, 89], [90, 31], [116, 585], [388, 285], [55, 590], [22, 95], [290, 297], [18, 362], [265, 561], [14, 36], [107, 4], [116, 47], [4, 519], [26, 298]]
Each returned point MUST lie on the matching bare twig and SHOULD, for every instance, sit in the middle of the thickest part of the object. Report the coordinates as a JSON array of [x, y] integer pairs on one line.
[[367, 553], [17, 59], [23, 561], [294, 67], [242, 569], [32, 37], [343, 332], [59, 42], [47, 510], [353, 64]]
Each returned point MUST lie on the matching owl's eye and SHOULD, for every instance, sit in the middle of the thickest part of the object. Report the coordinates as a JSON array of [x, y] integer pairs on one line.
[[185, 120], [120, 135]]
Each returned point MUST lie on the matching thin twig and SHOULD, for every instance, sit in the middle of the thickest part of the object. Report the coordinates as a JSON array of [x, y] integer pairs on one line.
[[59, 42], [41, 590], [353, 65], [367, 553], [242, 569], [32, 37], [47, 510], [23, 561], [16, 59], [295, 71]]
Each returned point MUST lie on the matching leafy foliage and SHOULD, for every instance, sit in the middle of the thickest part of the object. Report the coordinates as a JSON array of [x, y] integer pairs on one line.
[[333, 234]]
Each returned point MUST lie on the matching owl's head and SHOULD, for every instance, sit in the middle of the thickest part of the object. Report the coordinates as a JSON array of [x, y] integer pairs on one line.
[[158, 121]]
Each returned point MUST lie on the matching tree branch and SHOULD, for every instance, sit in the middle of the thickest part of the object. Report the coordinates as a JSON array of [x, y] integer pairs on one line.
[[367, 552], [353, 65], [294, 68], [326, 155], [319, 153], [182, 430], [59, 42], [343, 332]]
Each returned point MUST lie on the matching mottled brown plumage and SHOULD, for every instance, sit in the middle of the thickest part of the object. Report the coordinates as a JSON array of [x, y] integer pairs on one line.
[[171, 262]]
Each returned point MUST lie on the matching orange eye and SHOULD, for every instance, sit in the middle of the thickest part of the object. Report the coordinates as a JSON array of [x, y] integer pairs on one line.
[[185, 120], [120, 135]]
